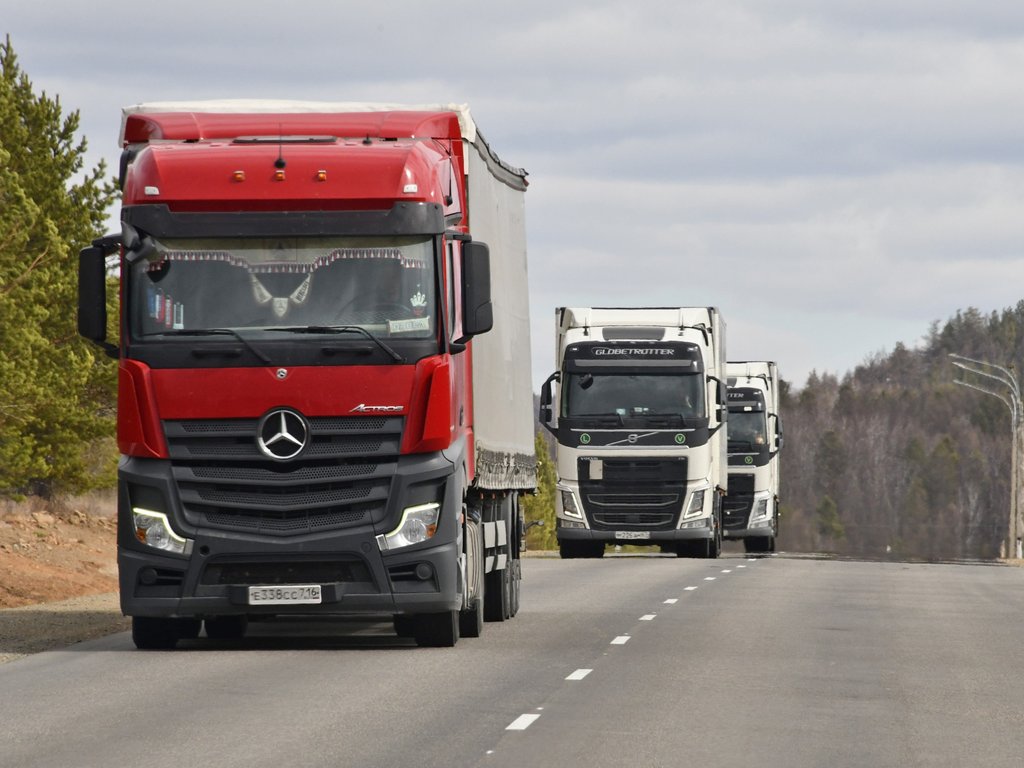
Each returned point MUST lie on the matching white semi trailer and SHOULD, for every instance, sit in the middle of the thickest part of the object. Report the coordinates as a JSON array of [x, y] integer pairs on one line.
[[638, 408], [751, 510]]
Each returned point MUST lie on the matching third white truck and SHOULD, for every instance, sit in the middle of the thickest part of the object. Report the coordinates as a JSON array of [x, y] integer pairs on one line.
[[751, 510]]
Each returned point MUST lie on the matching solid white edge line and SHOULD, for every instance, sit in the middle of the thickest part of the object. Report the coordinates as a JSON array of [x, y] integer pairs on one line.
[[579, 674], [522, 722]]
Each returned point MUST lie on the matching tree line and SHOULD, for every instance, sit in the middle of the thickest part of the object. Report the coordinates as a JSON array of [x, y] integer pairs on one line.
[[895, 458]]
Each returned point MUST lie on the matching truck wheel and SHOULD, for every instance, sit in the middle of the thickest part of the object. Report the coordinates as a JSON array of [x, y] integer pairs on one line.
[[569, 550], [471, 620], [691, 548], [226, 627], [152, 633], [517, 578], [498, 584], [436, 630], [405, 626]]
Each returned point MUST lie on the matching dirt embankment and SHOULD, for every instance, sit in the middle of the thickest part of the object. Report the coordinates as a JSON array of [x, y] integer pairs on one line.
[[58, 574]]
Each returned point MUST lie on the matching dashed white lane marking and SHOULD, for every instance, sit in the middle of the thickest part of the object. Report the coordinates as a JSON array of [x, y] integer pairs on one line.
[[690, 589], [672, 601], [709, 578], [741, 566], [620, 640], [522, 722], [726, 570], [579, 674], [648, 617]]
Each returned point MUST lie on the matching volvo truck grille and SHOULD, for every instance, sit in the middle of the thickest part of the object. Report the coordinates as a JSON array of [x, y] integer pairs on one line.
[[341, 479], [642, 494], [737, 505]]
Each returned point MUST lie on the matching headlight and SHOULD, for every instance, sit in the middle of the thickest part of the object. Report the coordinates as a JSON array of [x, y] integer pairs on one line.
[[760, 509], [417, 525], [153, 530], [696, 505], [569, 505]]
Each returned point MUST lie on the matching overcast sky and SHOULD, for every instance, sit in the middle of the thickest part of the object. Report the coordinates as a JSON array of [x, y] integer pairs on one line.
[[834, 176]]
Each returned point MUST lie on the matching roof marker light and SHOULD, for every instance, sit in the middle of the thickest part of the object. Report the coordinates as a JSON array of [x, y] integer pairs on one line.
[[238, 175], [321, 175], [279, 175]]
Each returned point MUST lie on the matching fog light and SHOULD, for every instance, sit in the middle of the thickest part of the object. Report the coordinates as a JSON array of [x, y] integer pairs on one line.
[[418, 525], [153, 530]]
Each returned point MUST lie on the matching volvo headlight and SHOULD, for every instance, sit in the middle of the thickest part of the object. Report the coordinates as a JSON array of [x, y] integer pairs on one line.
[[760, 509], [418, 524], [569, 506], [154, 530], [696, 505]]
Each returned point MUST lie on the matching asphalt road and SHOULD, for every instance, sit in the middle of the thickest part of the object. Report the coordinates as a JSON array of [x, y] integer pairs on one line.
[[626, 661]]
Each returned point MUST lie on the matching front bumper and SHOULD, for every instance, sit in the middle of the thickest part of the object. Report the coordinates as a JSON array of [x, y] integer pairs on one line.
[[356, 577]]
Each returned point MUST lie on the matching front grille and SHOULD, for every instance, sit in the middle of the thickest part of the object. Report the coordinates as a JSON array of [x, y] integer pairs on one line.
[[736, 506], [643, 494], [736, 509], [285, 572], [342, 478]]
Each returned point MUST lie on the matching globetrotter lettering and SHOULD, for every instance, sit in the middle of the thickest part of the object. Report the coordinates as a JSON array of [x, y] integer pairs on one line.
[[633, 352]]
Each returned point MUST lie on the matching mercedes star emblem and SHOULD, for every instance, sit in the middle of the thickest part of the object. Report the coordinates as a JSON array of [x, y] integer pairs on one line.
[[282, 434]]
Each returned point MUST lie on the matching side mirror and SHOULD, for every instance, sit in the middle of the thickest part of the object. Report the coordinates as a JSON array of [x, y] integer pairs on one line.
[[778, 432], [545, 414], [478, 314], [721, 398], [92, 293]]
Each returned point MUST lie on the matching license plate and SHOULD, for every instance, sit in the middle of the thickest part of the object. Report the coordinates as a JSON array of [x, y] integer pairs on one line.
[[632, 534], [291, 594]]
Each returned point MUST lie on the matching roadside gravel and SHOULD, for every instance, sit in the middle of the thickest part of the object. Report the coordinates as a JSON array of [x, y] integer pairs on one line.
[[48, 626]]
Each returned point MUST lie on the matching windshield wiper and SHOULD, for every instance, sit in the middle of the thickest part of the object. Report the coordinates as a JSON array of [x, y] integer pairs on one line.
[[217, 332], [342, 329]]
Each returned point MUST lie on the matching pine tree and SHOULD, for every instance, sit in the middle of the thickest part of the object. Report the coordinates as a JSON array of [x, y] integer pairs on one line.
[[56, 391]]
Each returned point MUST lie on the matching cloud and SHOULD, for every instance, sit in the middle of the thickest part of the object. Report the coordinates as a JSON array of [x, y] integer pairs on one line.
[[835, 176]]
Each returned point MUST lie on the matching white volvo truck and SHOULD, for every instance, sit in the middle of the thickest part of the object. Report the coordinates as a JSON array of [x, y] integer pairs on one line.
[[751, 510], [638, 408]]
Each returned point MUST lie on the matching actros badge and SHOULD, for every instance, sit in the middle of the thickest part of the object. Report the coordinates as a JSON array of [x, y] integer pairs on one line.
[[282, 434]]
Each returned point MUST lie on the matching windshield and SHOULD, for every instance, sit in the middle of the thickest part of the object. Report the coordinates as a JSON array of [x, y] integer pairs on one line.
[[383, 285], [630, 396], [747, 430]]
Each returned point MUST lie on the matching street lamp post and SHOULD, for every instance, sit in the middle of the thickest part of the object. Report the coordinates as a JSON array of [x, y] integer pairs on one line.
[[1010, 397]]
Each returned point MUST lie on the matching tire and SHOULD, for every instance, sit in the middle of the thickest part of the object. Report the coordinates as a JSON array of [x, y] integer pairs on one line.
[[405, 626], [150, 633], [471, 620], [571, 550], [226, 627], [517, 580], [498, 584], [692, 548], [436, 630]]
